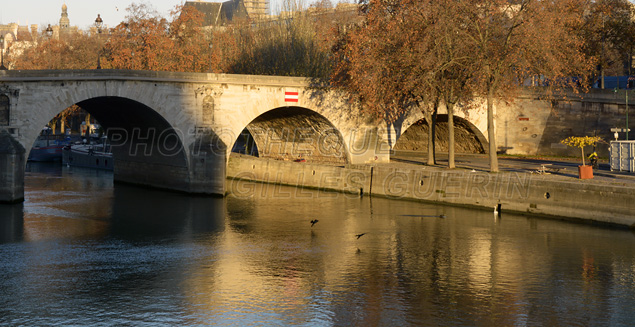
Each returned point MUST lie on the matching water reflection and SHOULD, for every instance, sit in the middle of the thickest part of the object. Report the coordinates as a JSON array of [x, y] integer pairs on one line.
[[63, 202], [162, 214], [11, 223], [93, 253]]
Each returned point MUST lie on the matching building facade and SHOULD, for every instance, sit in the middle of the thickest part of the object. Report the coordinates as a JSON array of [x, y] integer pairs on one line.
[[223, 13]]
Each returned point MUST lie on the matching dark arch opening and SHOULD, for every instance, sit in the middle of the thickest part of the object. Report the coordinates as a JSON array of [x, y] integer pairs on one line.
[[246, 144], [293, 133], [468, 139], [136, 132], [148, 151]]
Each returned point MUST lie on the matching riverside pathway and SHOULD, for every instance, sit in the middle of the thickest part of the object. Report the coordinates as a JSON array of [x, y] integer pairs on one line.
[[555, 168]]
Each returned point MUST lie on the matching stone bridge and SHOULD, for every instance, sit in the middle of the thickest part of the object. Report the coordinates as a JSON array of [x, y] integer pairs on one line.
[[176, 130]]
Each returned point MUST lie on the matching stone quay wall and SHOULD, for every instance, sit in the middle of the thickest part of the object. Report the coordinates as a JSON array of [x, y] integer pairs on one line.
[[524, 193]]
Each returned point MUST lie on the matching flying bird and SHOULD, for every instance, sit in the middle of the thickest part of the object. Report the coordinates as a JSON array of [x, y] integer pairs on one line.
[[360, 235], [313, 222]]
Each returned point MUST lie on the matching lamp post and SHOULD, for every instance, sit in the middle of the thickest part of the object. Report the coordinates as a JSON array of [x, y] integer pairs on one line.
[[49, 31], [99, 23], [211, 46], [626, 103], [626, 91], [2, 67]]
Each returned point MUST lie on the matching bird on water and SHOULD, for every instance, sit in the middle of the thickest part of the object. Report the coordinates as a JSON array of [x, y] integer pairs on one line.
[[313, 222]]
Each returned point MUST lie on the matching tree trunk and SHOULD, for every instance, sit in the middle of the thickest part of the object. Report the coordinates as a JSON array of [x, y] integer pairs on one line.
[[431, 119], [433, 135], [491, 134], [428, 117], [451, 163], [582, 149], [602, 78]]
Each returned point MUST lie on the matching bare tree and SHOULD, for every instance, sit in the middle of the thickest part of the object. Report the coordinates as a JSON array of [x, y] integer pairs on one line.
[[512, 40]]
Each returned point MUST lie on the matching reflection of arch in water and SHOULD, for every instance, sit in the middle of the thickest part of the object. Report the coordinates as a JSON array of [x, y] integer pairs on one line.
[[292, 133], [152, 212], [468, 138]]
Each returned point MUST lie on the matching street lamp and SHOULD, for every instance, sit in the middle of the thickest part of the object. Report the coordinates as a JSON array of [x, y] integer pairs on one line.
[[626, 103], [98, 24], [49, 31], [2, 53]]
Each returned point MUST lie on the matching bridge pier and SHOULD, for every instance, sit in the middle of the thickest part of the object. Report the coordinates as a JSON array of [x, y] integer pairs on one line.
[[12, 163], [197, 169], [206, 175], [208, 162]]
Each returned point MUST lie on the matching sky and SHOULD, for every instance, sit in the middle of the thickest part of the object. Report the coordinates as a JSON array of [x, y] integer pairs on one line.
[[82, 13]]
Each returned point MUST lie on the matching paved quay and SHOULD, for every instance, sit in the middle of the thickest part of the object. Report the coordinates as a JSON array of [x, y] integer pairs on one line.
[[554, 168]]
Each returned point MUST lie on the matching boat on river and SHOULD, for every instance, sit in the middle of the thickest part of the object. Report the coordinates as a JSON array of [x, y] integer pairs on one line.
[[48, 146], [88, 155]]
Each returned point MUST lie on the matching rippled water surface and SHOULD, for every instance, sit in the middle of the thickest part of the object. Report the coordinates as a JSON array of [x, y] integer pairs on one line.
[[81, 251]]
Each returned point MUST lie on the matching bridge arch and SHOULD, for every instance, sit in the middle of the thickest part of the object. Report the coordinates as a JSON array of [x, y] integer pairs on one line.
[[293, 133], [147, 149], [468, 138]]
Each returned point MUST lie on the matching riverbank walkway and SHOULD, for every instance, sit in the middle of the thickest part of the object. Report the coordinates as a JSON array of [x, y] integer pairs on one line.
[[547, 167]]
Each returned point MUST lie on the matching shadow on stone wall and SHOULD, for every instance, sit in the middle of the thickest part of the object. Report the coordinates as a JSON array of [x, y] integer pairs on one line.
[[576, 118]]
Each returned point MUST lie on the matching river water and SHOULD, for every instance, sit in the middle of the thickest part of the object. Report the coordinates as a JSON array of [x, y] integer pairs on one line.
[[81, 251]]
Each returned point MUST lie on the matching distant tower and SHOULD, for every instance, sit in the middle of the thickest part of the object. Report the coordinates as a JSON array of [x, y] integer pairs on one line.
[[64, 22], [258, 9]]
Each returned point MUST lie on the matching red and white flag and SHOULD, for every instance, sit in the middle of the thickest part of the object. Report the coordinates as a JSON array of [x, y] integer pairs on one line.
[[291, 96]]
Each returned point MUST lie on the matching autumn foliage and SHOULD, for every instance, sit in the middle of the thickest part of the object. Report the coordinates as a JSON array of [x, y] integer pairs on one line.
[[296, 45], [426, 52], [391, 56]]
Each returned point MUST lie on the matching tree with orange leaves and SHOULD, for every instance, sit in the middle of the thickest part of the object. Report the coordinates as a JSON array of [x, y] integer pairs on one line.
[[190, 43], [405, 55], [140, 42], [514, 40], [608, 30], [77, 51], [409, 52]]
